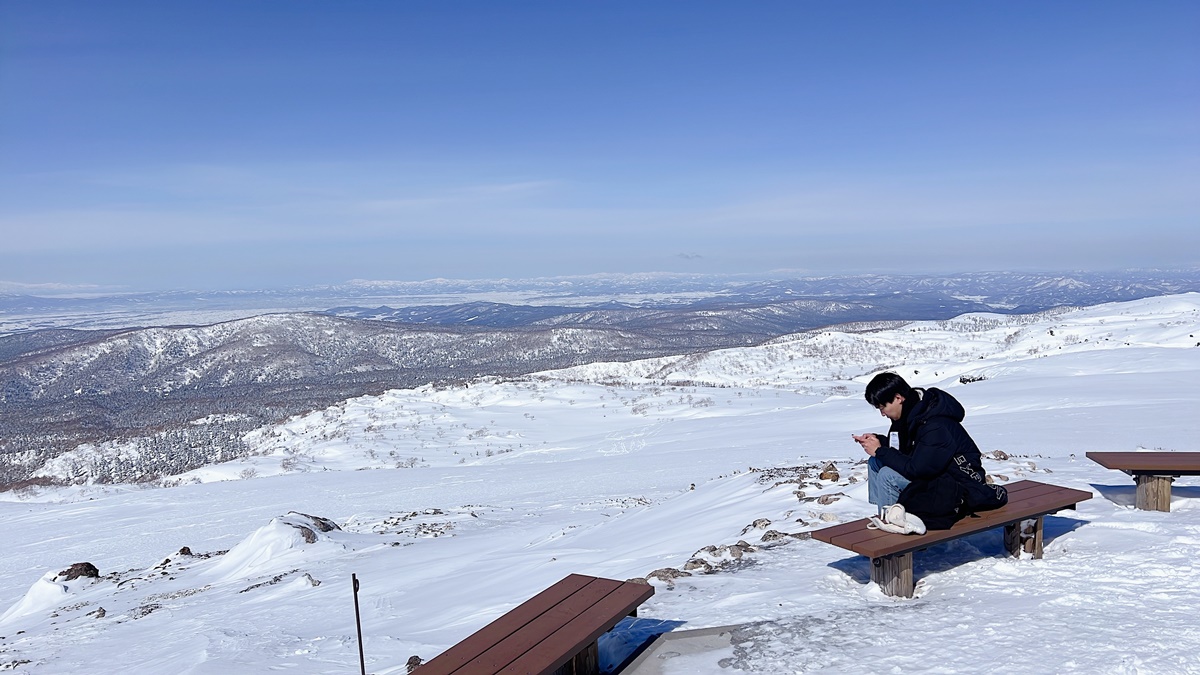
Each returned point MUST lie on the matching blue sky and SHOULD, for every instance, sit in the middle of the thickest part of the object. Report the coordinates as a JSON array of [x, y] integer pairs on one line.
[[152, 145]]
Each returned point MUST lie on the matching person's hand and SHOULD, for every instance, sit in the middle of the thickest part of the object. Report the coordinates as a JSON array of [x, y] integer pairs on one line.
[[869, 443]]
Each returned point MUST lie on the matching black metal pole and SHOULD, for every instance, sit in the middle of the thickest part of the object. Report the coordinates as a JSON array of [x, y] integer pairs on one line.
[[362, 660]]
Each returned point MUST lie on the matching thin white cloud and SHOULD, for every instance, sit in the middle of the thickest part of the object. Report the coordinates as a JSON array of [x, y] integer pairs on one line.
[[51, 288], [1110, 214], [505, 189], [939, 202]]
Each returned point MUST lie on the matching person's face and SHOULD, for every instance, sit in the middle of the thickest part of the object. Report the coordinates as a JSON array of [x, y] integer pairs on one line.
[[892, 410]]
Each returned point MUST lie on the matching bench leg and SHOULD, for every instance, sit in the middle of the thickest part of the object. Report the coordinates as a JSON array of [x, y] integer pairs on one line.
[[1026, 536], [1153, 492], [586, 662], [894, 574]]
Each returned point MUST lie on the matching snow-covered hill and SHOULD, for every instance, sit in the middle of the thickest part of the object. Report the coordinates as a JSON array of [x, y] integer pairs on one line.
[[179, 397], [505, 420], [456, 503]]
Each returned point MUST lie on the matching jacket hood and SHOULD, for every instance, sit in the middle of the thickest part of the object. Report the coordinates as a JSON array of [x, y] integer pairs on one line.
[[936, 403]]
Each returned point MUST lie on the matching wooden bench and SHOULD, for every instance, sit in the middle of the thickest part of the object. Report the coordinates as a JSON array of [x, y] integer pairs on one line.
[[1153, 473], [554, 632], [891, 554]]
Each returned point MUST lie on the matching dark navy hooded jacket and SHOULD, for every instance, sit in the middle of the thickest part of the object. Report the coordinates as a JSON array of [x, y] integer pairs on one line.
[[933, 442]]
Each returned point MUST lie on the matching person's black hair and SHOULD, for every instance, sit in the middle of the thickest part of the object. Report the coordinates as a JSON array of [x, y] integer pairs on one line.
[[882, 389]]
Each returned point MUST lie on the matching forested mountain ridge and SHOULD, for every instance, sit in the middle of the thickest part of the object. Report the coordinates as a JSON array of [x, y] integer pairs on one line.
[[198, 388]]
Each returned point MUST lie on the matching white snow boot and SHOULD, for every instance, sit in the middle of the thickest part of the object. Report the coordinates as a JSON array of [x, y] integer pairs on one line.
[[896, 519]]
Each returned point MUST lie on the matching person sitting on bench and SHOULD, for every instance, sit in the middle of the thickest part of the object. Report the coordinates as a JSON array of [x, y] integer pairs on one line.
[[935, 472]]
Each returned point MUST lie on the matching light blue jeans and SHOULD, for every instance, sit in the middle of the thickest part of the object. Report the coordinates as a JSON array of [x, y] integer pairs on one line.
[[884, 484]]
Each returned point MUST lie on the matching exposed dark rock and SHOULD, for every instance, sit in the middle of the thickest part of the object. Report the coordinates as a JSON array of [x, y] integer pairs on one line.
[[830, 472], [144, 610], [274, 580], [310, 537], [783, 475], [759, 524], [776, 535], [735, 551], [322, 524], [83, 569], [667, 574]]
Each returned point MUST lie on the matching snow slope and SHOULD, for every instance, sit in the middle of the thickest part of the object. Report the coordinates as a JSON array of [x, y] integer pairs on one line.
[[455, 504]]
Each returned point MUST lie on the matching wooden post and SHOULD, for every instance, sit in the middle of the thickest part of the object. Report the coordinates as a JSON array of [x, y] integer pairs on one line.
[[894, 574], [1032, 538], [1026, 536], [1012, 539], [1153, 492]]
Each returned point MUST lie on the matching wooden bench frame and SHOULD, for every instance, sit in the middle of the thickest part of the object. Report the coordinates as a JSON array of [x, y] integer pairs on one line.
[[553, 633], [1153, 472], [891, 554]]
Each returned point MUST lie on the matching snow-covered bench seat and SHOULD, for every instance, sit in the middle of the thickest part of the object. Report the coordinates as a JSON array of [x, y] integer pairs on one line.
[[554, 632], [891, 554], [1152, 471]]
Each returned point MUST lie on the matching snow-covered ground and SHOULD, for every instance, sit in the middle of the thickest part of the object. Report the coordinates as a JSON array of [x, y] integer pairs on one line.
[[455, 504]]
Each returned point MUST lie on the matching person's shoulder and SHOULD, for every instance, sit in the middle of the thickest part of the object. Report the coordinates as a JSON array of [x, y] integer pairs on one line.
[[933, 394], [941, 404]]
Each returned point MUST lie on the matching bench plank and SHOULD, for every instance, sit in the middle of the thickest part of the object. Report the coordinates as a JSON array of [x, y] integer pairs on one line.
[[1026, 499], [530, 635], [1153, 473], [847, 534], [1156, 463], [483, 639], [891, 554], [543, 633], [581, 631], [1024, 486]]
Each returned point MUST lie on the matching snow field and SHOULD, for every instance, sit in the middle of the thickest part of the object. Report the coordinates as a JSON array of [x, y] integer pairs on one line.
[[596, 476]]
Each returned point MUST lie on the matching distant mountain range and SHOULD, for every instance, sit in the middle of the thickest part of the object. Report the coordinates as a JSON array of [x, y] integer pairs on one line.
[[190, 392], [769, 308], [992, 291]]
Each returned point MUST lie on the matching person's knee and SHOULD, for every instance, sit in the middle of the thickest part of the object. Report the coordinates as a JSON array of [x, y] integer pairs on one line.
[[891, 476]]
